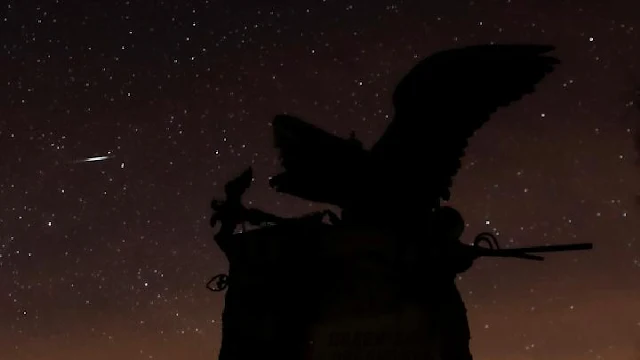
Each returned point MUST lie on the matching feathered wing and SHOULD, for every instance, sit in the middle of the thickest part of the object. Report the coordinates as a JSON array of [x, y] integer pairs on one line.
[[443, 101], [318, 166]]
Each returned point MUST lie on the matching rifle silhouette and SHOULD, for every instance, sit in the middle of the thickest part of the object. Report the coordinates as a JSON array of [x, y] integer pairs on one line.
[[494, 250]]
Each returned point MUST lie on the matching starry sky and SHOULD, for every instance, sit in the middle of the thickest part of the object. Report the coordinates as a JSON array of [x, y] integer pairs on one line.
[[109, 258]]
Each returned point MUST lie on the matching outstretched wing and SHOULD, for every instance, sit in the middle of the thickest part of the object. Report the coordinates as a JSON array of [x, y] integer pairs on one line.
[[236, 187], [444, 100], [318, 166]]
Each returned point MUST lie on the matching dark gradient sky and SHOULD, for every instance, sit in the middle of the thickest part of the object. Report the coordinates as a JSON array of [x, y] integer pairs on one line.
[[108, 259]]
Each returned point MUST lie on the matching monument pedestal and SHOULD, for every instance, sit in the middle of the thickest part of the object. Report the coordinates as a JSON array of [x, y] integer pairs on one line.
[[401, 334]]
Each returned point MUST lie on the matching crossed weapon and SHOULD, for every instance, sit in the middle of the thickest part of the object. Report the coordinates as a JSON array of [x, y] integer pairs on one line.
[[492, 249]]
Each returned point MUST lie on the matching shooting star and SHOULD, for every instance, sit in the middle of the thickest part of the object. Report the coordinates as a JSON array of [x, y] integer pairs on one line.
[[93, 159]]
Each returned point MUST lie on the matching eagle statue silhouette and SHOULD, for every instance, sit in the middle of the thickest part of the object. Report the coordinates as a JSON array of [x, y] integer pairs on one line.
[[308, 289], [438, 106]]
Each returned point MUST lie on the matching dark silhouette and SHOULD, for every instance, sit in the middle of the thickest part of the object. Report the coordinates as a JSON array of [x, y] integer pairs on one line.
[[378, 282], [231, 213], [438, 105]]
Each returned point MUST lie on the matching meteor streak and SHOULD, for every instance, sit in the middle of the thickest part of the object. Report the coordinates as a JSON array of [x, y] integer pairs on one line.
[[94, 158]]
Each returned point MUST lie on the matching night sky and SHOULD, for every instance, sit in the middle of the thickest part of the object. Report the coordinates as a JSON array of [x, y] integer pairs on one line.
[[108, 259]]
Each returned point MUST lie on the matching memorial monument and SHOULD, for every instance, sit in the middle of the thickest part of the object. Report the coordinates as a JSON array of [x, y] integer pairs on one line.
[[377, 281]]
